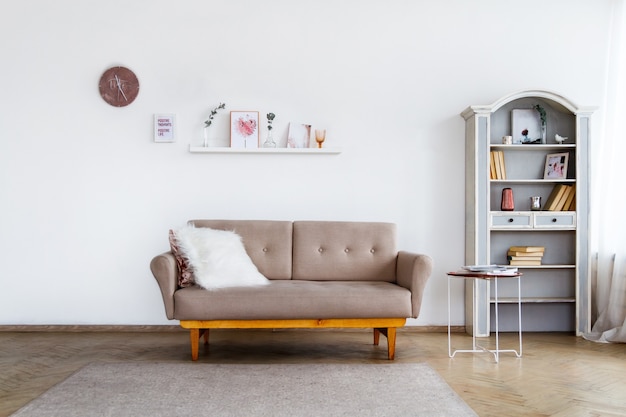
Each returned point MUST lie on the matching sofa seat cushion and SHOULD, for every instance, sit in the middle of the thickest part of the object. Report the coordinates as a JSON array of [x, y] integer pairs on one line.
[[295, 300]]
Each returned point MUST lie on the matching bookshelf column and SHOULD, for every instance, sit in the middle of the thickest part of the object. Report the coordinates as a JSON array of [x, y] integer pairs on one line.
[[555, 285]]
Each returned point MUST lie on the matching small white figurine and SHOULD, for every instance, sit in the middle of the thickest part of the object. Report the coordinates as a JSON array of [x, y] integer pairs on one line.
[[559, 139]]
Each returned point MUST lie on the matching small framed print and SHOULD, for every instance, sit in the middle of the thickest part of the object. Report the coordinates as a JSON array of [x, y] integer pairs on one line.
[[525, 126], [556, 166], [244, 129], [299, 135], [165, 128]]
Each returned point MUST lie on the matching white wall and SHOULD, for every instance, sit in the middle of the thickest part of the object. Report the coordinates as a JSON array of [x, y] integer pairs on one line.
[[87, 197]]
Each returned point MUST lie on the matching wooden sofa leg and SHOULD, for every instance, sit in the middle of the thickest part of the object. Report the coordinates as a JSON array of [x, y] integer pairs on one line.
[[390, 333], [391, 343], [205, 333], [376, 337], [194, 336]]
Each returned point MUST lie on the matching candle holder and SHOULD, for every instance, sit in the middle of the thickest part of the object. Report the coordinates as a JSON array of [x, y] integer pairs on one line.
[[535, 203]]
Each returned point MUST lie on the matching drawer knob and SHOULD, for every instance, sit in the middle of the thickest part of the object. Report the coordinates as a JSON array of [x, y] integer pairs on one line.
[[510, 220], [554, 220]]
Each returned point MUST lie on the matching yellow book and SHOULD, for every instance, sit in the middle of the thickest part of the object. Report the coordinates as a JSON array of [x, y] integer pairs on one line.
[[492, 166], [525, 263], [525, 258], [563, 198], [572, 206], [496, 159], [527, 249], [551, 197], [518, 253], [554, 197], [502, 165], [570, 199]]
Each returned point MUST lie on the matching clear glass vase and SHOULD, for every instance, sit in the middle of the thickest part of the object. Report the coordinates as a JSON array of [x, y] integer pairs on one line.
[[269, 141], [205, 135], [544, 133]]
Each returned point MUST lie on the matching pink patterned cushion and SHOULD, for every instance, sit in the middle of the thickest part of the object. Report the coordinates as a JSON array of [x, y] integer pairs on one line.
[[185, 274]]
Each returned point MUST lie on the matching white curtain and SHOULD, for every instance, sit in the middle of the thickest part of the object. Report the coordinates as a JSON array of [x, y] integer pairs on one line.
[[608, 197]]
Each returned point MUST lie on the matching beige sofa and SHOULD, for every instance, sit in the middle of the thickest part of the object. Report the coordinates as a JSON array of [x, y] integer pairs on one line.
[[322, 275]]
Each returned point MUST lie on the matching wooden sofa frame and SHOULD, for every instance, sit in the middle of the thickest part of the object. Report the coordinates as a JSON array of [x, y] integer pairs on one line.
[[385, 326]]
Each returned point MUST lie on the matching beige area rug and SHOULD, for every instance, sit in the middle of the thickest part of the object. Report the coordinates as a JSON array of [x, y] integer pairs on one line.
[[195, 389]]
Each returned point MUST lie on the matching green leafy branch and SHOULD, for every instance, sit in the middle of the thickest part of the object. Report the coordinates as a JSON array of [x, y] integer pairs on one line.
[[542, 113], [208, 122], [270, 119]]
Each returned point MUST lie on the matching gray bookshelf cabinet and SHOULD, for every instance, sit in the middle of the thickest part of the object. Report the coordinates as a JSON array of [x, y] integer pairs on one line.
[[555, 294]]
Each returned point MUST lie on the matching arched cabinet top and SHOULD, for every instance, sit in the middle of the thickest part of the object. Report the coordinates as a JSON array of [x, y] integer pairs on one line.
[[556, 100]]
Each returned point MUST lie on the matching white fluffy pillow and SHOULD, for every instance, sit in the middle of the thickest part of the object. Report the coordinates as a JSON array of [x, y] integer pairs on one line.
[[218, 258]]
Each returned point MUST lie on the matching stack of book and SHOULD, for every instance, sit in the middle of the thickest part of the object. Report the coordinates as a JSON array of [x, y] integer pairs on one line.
[[562, 198], [525, 255], [497, 168]]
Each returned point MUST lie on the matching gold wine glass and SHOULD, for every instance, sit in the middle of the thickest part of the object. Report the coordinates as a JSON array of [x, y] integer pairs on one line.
[[320, 136]]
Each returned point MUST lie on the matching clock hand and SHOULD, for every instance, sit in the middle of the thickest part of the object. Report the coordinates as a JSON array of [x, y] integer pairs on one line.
[[119, 87]]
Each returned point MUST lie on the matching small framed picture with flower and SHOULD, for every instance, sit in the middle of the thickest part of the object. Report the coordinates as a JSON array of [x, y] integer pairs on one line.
[[525, 126], [244, 129]]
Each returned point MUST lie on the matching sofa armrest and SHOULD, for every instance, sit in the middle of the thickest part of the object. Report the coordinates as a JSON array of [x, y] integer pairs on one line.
[[165, 271], [412, 272]]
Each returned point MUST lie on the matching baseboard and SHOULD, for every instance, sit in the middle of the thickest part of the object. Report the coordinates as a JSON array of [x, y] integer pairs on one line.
[[432, 329], [131, 328], [77, 328]]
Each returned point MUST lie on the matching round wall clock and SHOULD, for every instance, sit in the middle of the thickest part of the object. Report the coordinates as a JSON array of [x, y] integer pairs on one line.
[[119, 86]]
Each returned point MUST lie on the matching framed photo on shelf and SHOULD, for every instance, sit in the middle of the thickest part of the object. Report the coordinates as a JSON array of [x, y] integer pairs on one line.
[[299, 135], [244, 129], [556, 166], [525, 126]]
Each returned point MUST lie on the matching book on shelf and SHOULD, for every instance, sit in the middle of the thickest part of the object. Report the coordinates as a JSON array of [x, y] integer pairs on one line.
[[527, 249], [572, 206], [525, 263], [525, 258], [497, 170], [517, 253], [494, 165], [554, 197], [571, 199], [562, 198], [502, 166], [560, 205], [525, 255]]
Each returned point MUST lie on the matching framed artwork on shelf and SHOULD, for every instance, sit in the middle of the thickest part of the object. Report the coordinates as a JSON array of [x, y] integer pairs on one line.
[[556, 166], [525, 126], [244, 129], [299, 135]]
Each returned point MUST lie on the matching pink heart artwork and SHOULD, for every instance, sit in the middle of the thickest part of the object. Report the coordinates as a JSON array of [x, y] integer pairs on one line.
[[246, 127]]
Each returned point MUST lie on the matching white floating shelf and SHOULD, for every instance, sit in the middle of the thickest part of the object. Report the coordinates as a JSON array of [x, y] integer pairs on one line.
[[322, 151]]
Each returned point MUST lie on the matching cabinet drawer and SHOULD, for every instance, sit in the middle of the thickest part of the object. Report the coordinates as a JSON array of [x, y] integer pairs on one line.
[[553, 220], [513, 220]]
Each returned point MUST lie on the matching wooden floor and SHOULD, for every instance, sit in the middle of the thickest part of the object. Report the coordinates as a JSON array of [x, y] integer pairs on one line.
[[559, 374]]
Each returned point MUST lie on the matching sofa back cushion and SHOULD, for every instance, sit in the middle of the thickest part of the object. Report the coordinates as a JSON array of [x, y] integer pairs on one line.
[[344, 251], [267, 242]]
